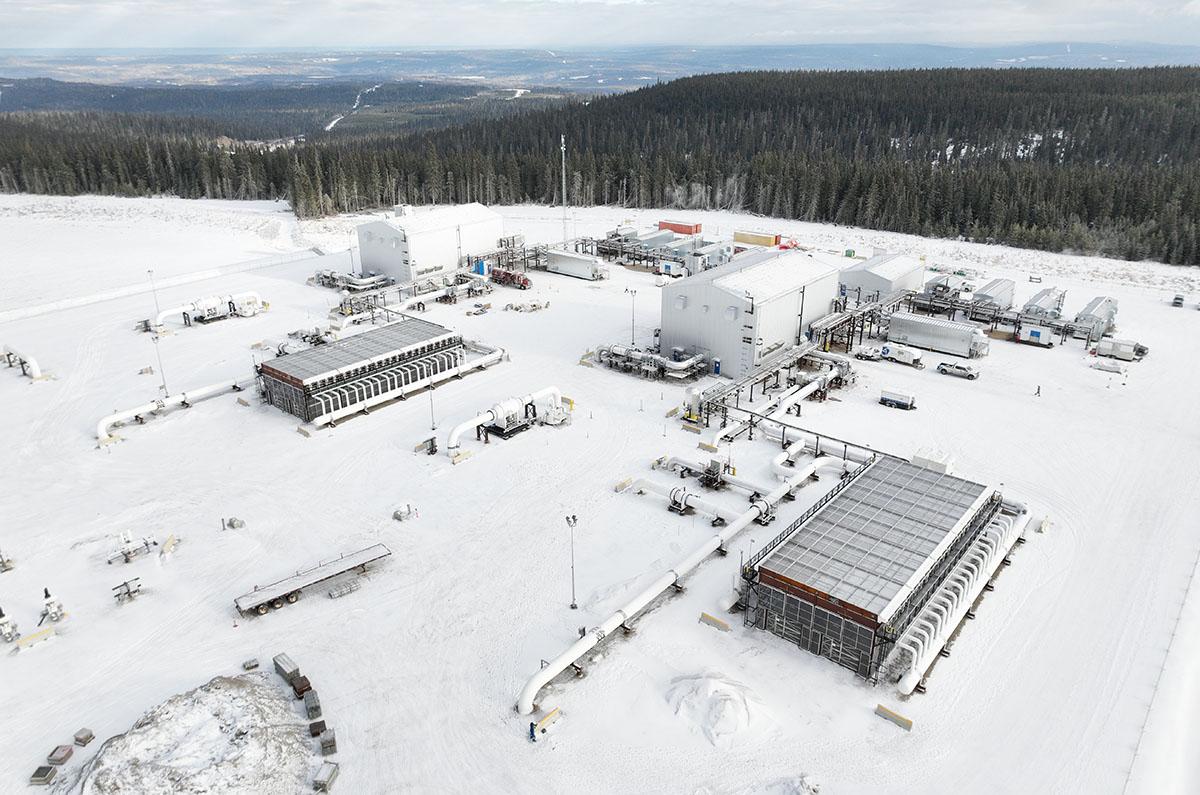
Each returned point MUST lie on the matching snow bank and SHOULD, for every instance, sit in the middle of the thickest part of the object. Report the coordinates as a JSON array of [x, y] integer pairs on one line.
[[722, 709], [234, 734]]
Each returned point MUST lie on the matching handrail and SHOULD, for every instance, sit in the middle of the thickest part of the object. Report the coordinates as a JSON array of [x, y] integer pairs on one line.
[[748, 568]]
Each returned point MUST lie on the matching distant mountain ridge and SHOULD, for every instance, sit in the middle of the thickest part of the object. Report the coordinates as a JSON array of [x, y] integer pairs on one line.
[[612, 69]]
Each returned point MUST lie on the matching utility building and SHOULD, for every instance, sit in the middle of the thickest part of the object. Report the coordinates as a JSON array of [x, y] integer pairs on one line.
[[427, 245], [996, 295], [325, 383], [1045, 304], [1098, 318], [857, 571], [739, 313], [882, 275]]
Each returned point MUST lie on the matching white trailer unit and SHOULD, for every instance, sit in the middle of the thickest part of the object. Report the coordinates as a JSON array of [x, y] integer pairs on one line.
[[937, 334], [570, 263], [287, 590], [1125, 350], [1097, 318], [998, 294], [897, 400]]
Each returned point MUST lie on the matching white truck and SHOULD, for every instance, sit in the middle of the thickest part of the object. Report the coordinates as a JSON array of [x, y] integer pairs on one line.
[[902, 354]]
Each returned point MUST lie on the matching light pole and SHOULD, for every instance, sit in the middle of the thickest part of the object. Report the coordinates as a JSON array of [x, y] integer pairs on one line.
[[632, 314], [571, 521], [162, 374], [154, 290], [432, 418], [563, 139]]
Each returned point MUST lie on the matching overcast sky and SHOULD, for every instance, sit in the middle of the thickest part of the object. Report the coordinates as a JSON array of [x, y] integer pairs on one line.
[[592, 23]]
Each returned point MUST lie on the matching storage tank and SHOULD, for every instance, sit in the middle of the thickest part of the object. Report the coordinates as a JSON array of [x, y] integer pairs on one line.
[[1046, 303], [937, 334], [998, 293], [1097, 318]]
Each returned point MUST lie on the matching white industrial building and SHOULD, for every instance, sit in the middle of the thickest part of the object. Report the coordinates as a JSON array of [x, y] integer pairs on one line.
[[739, 313], [882, 275], [429, 244]]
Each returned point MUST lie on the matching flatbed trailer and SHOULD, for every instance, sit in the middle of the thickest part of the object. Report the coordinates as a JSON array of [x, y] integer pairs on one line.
[[287, 590]]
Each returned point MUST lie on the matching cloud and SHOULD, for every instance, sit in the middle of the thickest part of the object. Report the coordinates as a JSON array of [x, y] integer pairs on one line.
[[585, 23]]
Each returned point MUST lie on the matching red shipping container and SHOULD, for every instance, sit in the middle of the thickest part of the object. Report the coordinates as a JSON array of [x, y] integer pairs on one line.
[[680, 228]]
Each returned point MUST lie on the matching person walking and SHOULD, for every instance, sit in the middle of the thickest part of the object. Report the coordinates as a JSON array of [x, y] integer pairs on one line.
[[532, 732], [1038, 393]]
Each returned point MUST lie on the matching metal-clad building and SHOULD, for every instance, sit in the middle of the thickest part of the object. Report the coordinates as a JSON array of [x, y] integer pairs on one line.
[[741, 312], [854, 574], [937, 334], [1046, 303], [572, 263], [427, 244], [997, 294], [1097, 318], [322, 384], [882, 275]]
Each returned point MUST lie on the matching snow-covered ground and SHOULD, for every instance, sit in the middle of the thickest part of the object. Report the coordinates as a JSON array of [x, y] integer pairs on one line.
[[1047, 691]]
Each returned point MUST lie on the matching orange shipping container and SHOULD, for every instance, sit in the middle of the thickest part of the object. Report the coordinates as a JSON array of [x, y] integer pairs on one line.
[[680, 228]]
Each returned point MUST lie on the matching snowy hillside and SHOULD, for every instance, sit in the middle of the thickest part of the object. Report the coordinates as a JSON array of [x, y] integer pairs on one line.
[[1076, 675]]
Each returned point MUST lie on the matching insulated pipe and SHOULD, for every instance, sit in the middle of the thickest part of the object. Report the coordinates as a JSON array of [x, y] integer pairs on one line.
[[191, 396], [625, 352], [493, 414], [844, 365], [685, 498], [964, 584], [177, 310], [525, 701], [675, 462], [851, 452], [194, 305], [769, 409], [31, 365]]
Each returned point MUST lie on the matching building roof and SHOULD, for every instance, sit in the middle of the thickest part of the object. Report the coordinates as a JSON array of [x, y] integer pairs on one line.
[[441, 218], [767, 277], [889, 266], [877, 538], [1047, 298], [1101, 307], [367, 347], [994, 288], [930, 321]]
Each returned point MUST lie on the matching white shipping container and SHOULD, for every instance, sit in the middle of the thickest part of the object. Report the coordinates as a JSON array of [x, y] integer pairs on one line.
[[570, 263], [937, 334]]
